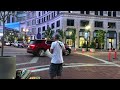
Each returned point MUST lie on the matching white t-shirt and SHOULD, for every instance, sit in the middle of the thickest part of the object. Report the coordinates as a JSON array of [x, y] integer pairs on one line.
[[57, 52]]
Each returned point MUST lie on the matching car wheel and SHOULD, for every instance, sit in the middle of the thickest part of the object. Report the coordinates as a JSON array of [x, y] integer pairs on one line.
[[41, 52], [66, 53]]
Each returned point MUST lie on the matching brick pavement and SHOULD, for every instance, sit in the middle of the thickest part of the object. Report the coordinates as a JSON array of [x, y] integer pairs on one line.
[[103, 55], [95, 72]]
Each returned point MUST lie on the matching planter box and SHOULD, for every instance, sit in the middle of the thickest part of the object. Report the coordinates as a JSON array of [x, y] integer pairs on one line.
[[92, 50], [7, 67]]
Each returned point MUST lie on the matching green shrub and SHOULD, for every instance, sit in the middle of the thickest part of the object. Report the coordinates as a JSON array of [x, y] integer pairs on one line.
[[84, 45], [92, 45]]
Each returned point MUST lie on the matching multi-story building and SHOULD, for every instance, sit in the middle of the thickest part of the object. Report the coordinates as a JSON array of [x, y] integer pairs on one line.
[[10, 20], [109, 21]]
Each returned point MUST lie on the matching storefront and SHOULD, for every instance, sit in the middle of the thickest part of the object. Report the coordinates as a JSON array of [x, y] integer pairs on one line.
[[84, 37], [111, 40], [69, 37]]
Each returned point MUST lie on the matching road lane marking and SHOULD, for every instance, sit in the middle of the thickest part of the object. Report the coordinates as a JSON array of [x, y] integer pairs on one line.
[[34, 60], [34, 67]]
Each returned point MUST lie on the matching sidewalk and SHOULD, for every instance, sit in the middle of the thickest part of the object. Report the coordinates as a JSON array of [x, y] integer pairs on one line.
[[102, 55]]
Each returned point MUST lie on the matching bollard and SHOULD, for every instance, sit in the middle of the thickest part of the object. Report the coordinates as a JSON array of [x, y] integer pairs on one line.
[[115, 54], [75, 50], [83, 50], [109, 55]]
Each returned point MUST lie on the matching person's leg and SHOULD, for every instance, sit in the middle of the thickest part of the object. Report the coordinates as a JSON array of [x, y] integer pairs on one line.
[[52, 71], [59, 71]]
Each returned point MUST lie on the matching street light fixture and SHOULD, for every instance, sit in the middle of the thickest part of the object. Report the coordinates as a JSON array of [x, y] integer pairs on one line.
[[25, 30], [86, 34]]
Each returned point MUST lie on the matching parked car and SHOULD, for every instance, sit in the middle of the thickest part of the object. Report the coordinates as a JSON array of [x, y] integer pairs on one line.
[[18, 44], [7, 43], [38, 47]]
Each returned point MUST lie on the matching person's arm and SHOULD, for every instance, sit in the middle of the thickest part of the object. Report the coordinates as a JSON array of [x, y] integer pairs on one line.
[[51, 48], [63, 47]]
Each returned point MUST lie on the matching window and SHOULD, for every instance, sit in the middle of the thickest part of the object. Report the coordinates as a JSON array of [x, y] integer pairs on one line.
[[111, 25], [81, 32], [87, 12], [44, 19], [53, 25], [39, 30], [33, 30], [96, 12], [49, 17], [84, 23], [58, 12], [47, 26], [114, 13], [39, 13], [57, 30], [69, 11], [58, 23], [82, 12], [101, 13], [98, 24], [28, 23], [8, 20], [52, 15], [43, 12], [43, 28], [109, 13], [70, 22], [39, 21], [33, 22]]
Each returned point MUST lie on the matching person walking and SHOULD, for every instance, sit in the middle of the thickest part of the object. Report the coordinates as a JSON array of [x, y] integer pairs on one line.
[[56, 66]]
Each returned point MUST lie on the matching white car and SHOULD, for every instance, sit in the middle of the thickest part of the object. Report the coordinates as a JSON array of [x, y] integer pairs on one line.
[[7, 43]]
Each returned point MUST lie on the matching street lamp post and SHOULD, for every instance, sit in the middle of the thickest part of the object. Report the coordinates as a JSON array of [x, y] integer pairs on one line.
[[25, 30], [87, 28]]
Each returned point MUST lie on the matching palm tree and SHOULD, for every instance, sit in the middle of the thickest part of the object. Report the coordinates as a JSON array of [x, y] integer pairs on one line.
[[61, 33], [3, 17], [49, 33]]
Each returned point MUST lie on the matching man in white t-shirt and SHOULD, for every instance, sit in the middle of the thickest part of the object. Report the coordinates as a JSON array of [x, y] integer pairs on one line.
[[56, 49]]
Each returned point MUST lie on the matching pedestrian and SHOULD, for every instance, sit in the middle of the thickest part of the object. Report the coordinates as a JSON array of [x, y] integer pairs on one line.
[[56, 65]]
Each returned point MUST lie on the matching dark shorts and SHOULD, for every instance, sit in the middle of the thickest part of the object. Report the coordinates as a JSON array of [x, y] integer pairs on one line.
[[55, 69]]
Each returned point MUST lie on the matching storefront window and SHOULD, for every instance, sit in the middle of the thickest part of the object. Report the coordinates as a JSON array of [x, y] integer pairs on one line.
[[69, 42]]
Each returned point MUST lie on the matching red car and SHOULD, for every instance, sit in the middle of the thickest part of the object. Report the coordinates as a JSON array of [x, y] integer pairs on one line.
[[38, 47]]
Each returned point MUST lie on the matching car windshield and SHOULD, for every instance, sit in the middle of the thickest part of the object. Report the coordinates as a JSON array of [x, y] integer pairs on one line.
[[32, 42]]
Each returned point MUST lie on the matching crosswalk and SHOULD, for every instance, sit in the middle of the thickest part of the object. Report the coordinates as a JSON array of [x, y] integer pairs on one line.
[[66, 65]]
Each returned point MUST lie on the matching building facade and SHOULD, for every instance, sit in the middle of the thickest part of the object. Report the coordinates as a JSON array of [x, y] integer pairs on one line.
[[109, 21]]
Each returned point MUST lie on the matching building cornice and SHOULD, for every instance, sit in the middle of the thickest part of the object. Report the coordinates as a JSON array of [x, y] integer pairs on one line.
[[88, 16]]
